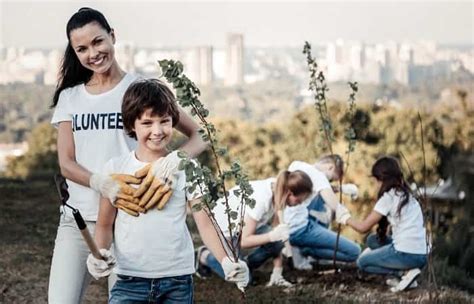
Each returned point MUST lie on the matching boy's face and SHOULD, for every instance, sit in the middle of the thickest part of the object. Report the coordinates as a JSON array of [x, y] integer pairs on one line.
[[153, 132]]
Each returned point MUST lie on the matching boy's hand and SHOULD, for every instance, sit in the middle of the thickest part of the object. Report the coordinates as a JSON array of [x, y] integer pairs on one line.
[[114, 185], [351, 190], [101, 268], [237, 272]]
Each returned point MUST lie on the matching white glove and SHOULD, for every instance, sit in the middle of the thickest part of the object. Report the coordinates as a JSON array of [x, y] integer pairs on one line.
[[166, 167], [279, 233], [105, 185], [236, 272], [101, 268], [351, 190], [342, 214]]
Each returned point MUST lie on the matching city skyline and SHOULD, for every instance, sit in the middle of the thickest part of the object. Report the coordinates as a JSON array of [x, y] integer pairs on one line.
[[263, 23]]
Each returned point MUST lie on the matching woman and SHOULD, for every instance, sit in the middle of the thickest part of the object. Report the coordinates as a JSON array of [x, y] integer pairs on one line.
[[88, 116]]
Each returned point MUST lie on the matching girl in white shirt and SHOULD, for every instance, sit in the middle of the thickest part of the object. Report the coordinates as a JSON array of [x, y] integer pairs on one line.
[[406, 252]]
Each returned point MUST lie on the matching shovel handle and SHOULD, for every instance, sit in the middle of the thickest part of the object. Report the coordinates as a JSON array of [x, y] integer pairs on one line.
[[86, 235]]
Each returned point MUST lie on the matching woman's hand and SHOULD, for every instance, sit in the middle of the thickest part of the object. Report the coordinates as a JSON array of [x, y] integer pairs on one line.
[[113, 186], [279, 233]]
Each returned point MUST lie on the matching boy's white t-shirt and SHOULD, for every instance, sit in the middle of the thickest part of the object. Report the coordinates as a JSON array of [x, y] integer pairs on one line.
[[98, 135], [262, 212], [155, 244], [297, 216], [408, 232]]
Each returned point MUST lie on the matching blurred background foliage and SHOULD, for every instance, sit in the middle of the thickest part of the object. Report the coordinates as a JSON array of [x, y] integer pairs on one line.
[[267, 147]]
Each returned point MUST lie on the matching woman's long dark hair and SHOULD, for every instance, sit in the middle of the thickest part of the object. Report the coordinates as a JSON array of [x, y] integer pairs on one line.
[[388, 171], [72, 72]]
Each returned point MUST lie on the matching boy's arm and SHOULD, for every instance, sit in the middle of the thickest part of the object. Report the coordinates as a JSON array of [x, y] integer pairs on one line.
[[237, 272], [103, 237], [207, 232], [330, 198], [104, 226]]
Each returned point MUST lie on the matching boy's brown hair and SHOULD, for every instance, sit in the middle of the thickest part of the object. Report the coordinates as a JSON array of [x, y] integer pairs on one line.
[[146, 94], [337, 161]]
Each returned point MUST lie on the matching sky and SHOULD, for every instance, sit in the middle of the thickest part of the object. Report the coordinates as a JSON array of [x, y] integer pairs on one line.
[[263, 23]]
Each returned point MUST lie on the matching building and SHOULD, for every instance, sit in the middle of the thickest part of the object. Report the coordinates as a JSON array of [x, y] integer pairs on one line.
[[234, 60], [199, 65]]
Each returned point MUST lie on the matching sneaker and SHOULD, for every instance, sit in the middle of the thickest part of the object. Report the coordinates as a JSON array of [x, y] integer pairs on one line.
[[300, 262], [202, 271], [407, 280], [278, 281], [394, 282], [304, 264]]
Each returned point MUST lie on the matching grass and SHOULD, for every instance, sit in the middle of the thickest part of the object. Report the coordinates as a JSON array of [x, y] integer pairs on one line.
[[28, 222]]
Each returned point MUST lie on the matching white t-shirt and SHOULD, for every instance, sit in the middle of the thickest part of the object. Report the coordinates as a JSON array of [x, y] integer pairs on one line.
[[297, 216], [262, 211], [408, 232], [156, 244], [98, 135]]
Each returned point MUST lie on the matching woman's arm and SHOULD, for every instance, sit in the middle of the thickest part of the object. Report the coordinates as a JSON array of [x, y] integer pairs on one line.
[[249, 238], [104, 227], [188, 126], [70, 169], [364, 226]]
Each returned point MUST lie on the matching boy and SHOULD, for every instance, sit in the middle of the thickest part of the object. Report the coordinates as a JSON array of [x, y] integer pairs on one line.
[[155, 256], [309, 222]]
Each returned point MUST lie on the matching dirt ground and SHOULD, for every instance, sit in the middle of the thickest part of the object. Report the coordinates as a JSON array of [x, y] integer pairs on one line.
[[28, 221]]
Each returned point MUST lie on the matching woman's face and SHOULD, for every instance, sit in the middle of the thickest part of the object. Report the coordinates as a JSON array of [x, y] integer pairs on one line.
[[94, 47], [294, 200]]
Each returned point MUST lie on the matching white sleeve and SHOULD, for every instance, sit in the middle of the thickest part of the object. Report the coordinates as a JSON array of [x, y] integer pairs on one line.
[[192, 195], [384, 204], [62, 111], [258, 211], [196, 192], [318, 178]]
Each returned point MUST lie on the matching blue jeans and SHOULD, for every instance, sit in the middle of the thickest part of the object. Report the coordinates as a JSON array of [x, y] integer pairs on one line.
[[373, 242], [256, 257], [319, 242], [387, 260], [167, 290], [318, 204]]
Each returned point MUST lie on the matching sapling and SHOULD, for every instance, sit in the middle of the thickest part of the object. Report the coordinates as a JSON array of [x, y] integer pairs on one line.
[[318, 85], [212, 186]]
